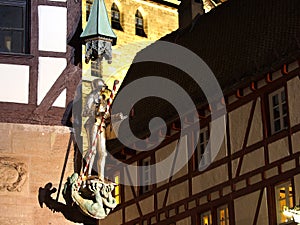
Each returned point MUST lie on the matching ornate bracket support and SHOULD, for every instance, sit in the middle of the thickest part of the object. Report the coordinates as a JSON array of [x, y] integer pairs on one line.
[[97, 48], [94, 197]]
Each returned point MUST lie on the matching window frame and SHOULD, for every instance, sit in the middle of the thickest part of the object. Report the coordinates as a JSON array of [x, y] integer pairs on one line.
[[24, 5], [117, 190], [140, 24], [289, 197], [202, 149], [145, 188], [226, 220], [116, 21], [282, 117], [209, 217]]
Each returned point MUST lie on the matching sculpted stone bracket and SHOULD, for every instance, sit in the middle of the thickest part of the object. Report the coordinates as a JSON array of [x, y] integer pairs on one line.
[[13, 174], [98, 49], [94, 197]]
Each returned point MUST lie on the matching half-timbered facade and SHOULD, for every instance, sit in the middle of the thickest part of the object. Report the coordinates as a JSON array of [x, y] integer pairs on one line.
[[252, 47]]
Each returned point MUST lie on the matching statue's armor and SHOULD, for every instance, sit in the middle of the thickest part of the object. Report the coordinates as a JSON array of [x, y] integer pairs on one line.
[[95, 109]]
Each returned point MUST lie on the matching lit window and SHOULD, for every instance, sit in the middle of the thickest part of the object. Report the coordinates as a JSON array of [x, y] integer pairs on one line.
[[117, 191], [115, 17], [139, 24], [284, 197], [202, 152], [278, 111], [206, 218], [223, 215], [13, 26], [145, 175]]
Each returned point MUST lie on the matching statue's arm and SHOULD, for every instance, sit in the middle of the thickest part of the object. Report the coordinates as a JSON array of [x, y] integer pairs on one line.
[[89, 107]]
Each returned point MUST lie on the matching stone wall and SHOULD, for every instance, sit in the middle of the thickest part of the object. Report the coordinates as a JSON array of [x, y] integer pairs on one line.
[[159, 20], [31, 156]]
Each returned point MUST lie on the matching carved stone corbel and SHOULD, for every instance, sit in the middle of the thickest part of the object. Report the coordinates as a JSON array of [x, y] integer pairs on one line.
[[13, 174]]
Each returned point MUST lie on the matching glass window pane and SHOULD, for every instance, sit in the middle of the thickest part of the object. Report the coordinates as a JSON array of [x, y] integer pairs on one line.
[[5, 41], [275, 100], [206, 218], [284, 108], [277, 126], [283, 96], [11, 16], [285, 122], [276, 112], [284, 196], [17, 41]]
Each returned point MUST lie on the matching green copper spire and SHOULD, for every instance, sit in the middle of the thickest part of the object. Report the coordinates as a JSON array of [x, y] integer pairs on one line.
[[98, 24]]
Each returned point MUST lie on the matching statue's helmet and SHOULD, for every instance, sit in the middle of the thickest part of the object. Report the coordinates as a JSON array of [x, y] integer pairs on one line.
[[98, 84]]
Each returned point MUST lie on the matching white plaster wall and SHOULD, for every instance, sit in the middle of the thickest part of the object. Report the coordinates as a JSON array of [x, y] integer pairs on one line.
[[178, 192], [244, 215], [52, 28], [49, 70], [253, 160], [278, 150], [296, 142], [61, 100], [297, 188], [186, 221], [14, 83], [238, 121], [256, 130], [147, 205], [210, 178], [294, 103]]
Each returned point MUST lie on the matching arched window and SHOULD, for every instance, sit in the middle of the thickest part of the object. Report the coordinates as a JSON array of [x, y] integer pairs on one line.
[[139, 24], [89, 4], [115, 17]]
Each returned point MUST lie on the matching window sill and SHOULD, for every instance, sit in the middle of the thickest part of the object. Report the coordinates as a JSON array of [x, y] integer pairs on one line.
[[16, 55], [16, 58]]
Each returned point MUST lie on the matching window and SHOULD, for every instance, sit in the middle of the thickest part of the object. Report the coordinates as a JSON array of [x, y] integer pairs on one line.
[[284, 197], [278, 111], [89, 4], [117, 190], [202, 157], [145, 175], [139, 24], [205, 218], [115, 17], [96, 68], [13, 26], [223, 215]]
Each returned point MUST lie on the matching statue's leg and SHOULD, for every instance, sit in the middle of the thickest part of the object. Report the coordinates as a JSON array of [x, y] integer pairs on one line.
[[91, 135], [101, 147]]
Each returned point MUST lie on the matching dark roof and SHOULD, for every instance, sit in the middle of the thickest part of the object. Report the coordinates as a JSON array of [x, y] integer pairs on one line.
[[170, 4], [239, 40]]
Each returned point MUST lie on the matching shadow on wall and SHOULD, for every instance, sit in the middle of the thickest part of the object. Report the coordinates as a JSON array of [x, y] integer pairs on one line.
[[70, 211]]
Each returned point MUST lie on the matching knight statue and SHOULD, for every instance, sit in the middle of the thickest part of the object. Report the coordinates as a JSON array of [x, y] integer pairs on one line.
[[95, 110]]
